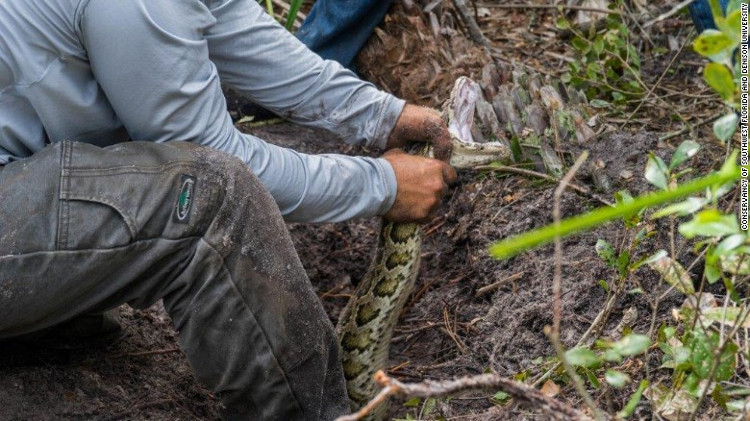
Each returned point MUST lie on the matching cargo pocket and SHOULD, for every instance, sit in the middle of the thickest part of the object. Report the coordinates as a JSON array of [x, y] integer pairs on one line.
[[97, 208]]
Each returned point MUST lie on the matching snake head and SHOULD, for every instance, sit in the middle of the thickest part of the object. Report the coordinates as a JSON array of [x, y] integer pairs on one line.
[[458, 113]]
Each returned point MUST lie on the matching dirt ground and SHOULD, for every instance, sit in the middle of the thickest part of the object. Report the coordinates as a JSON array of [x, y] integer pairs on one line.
[[450, 327]]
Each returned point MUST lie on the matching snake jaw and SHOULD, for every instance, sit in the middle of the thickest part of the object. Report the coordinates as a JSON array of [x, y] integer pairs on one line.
[[458, 113], [459, 109]]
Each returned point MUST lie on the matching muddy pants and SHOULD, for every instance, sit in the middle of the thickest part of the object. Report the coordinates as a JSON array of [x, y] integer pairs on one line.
[[84, 229]]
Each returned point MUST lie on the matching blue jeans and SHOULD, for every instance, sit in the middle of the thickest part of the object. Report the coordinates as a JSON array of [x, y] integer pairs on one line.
[[337, 29], [700, 11]]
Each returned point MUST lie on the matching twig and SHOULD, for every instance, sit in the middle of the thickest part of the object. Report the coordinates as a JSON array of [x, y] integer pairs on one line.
[[549, 6], [530, 397], [522, 171], [688, 127], [471, 25], [653, 88], [374, 403], [557, 289], [146, 353], [675, 10], [450, 330], [495, 285]]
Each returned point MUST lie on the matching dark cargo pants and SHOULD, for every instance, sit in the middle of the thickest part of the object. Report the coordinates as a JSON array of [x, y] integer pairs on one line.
[[84, 229]]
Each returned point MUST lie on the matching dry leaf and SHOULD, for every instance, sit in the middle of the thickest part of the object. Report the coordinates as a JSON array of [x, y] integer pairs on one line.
[[550, 389]]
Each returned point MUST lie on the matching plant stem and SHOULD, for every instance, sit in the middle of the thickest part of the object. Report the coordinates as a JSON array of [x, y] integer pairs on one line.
[[512, 246]]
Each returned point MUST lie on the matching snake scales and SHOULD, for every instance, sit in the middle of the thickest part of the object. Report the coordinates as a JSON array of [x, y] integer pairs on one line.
[[366, 325]]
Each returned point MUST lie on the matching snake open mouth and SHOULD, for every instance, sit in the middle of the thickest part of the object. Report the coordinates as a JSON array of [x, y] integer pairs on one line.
[[463, 104]]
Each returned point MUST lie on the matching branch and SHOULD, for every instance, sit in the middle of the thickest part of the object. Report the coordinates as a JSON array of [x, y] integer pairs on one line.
[[669, 14], [475, 33], [527, 395]]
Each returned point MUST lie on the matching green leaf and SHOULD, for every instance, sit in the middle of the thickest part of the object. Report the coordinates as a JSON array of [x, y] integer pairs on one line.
[[600, 103], [623, 261], [712, 268], [714, 44], [726, 316], [736, 264], [729, 243], [591, 377], [655, 173], [674, 274], [710, 223], [598, 45], [612, 356], [732, 5], [500, 398], [727, 362], [670, 404], [715, 192], [632, 219], [720, 79], [616, 378], [701, 352], [681, 356], [428, 408], [561, 22], [736, 406], [725, 127], [604, 285], [580, 44], [686, 207], [686, 150], [412, 403], [650, 259], [731, 26], [632, 345], [665, 333], [633, 401], [606, 252], [582, 357], [294, 7]]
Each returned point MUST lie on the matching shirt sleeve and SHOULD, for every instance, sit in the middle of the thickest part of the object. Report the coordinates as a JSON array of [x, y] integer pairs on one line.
[[152, 61], [263, 61]]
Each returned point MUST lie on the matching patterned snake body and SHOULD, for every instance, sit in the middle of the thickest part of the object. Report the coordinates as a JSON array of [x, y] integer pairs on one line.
[[367, 322]]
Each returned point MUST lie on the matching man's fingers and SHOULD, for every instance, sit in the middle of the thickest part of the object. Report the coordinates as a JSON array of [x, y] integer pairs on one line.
[[442, 147], [449, 174]]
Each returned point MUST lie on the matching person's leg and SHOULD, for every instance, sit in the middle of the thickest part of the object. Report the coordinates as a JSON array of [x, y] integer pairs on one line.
[[337, 29], [85, 229]]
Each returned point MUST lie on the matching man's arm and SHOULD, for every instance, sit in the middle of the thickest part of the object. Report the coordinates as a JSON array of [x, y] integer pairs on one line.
[[263, 61], [152, 62]]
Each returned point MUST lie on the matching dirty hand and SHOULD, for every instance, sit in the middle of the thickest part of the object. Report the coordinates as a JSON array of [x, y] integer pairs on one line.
[[421, 182], [421, 124]]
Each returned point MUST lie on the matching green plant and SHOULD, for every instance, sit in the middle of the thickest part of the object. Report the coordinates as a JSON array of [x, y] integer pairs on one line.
[[723, 73], [701, 349], [607, 65], [294, 6]]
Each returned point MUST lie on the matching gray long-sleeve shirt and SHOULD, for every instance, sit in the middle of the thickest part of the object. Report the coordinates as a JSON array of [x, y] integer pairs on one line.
[[104, 71]]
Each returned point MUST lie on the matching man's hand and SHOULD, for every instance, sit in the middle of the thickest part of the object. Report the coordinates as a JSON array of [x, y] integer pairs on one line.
[[421, 183], [421, 124]]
